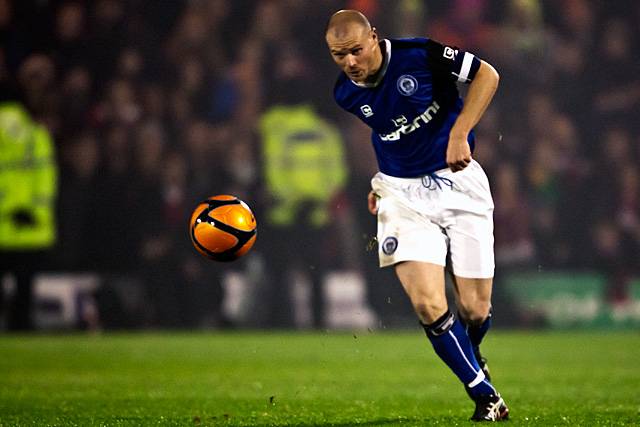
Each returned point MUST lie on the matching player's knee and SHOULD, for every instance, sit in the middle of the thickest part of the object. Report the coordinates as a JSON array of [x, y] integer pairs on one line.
[[429, 311], [476, 313]]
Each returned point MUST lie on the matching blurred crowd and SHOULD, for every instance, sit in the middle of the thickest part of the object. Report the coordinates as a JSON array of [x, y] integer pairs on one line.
[[153, 106]]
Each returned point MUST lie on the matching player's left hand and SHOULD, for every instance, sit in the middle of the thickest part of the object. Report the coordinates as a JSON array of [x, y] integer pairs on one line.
[[372, 202], [458, 153]]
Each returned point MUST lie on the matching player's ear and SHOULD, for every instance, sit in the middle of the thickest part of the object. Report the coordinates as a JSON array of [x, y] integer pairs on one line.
[[374, 34]]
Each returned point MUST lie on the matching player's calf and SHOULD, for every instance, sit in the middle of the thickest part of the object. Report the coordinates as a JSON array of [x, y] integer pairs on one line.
[[451, 343], [476, 330]]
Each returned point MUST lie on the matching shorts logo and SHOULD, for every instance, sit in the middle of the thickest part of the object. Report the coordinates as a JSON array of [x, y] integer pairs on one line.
[[407, 85], [389, 245]]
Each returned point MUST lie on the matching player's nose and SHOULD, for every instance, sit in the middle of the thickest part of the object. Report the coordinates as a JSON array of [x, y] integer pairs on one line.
[[351, 61]]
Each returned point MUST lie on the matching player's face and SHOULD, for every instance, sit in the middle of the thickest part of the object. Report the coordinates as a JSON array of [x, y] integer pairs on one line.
[[356, 53]]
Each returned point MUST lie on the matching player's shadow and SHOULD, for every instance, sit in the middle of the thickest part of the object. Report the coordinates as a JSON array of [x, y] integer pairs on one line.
[[376, 422], [402, 421]]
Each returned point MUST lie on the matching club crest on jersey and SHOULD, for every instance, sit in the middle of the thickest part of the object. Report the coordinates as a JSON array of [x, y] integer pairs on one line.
[[407, 85], [389, 245]]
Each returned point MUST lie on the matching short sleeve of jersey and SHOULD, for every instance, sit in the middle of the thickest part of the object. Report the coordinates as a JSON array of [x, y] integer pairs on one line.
[[452, 63]]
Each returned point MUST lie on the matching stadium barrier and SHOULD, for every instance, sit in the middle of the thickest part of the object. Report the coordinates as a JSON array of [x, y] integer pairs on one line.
[[61, 300], [565, 299]]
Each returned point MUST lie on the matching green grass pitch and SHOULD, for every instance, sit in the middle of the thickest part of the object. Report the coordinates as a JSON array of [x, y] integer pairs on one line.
[[310, 379]]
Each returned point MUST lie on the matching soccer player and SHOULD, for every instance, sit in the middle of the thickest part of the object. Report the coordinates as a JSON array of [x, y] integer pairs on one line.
[[432, 200]]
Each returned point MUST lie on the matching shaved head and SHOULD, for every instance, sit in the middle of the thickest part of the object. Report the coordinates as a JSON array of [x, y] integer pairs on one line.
[[344, 21], [353, 45]]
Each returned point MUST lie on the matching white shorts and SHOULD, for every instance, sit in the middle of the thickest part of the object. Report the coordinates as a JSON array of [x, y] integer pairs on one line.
[[437, 219]]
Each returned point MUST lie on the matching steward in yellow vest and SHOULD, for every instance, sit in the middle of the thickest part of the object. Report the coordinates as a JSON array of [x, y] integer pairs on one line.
[[28, 187], [304, 170]]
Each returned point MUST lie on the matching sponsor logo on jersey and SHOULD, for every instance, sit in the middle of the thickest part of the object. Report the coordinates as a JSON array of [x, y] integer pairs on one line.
[[407, 85], [449, 53], [366, 110], [408, 127], [389, 245]]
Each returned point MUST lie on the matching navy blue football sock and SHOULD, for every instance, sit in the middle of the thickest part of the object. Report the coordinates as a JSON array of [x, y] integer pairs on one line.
[[451, 342], [477, 332]]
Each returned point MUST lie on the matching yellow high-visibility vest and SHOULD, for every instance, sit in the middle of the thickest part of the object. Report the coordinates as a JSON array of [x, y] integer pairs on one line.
[[28, 181], [303, 161]]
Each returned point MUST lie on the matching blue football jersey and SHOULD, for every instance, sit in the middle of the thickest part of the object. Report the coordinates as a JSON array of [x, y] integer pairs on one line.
[[412, 105]]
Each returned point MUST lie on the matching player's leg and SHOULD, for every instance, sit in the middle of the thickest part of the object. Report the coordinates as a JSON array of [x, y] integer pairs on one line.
[[474, 303], [424, 284], [407, 234], [473, 298], [472, 263], [471, 259], [20, 315]]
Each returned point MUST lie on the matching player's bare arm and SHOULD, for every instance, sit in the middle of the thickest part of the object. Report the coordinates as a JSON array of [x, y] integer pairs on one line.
[[481, 91]]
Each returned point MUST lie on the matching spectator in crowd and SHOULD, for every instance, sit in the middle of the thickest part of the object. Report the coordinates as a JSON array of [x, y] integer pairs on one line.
[[464, 24], [77, 203], [616, 94], [611, 257], [514, 244]]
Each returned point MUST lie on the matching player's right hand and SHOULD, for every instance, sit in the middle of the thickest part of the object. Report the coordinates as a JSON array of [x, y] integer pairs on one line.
[[458, 152], [372, 202]]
